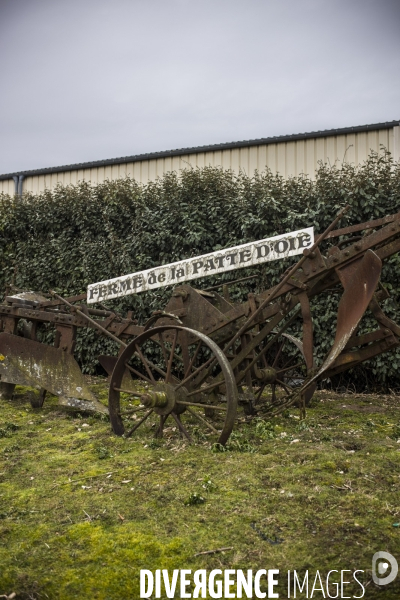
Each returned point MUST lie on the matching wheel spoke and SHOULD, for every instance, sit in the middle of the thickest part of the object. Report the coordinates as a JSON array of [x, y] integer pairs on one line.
[[153, 366], [185, 350], [171, 358], [193, 360], [182, 429], [146, 364], [176, 356], [132, 370], [132, 410], [160, 429], [278, 353], [203, 420], [283, 384], [300, 364], [206, 364], [202, 405], [260, 391], [135, 394], [162, 344], [208, 388], [291, 359], [139, 424]]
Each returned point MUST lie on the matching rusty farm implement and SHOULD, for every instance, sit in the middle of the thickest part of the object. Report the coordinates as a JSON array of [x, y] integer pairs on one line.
[[203, 358]]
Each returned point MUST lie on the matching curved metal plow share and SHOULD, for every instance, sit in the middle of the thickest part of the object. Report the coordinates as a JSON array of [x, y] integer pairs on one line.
[[30, 363], [359, 280]]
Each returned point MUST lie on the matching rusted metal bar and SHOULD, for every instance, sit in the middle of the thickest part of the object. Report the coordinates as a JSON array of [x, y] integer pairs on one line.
[[362, 226], [127, 328], [51, 303], [91, 321]]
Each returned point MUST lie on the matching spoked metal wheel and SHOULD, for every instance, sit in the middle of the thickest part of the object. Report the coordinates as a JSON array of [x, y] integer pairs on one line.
[[281, 371], [270, 374], [158, 381]]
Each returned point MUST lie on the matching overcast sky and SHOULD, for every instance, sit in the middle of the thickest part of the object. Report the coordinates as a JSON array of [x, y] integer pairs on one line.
[[85, 80]]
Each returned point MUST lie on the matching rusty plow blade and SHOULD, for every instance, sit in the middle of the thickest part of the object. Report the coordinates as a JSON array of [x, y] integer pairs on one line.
[[359, 280], [32, 364], [107, 362]]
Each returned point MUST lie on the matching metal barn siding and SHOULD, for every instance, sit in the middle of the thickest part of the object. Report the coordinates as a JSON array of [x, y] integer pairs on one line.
[[7, 186], [288, 155]]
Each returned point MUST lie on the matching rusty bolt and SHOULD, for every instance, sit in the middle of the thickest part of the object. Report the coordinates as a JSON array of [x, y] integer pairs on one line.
[[357, 247], [347, 253]]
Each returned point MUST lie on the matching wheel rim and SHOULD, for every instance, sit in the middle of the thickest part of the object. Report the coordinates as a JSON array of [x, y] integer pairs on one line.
[[171, 365]]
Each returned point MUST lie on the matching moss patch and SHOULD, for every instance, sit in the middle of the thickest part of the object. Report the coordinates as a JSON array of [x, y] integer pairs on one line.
[[82, 511]]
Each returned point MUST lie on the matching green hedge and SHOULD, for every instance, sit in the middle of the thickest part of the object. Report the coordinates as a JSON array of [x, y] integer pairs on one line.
[[75, 235]]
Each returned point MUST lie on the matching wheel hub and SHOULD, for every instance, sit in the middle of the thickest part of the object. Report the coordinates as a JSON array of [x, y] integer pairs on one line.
[[154, 399], [268, 375], [164, 398]]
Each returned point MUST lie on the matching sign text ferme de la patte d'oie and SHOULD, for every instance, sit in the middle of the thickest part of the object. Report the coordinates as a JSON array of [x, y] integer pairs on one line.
[[245, 255]]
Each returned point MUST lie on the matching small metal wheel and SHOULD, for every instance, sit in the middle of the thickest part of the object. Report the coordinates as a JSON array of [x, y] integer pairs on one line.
[[164, 375], [284, 371], [271, 373]]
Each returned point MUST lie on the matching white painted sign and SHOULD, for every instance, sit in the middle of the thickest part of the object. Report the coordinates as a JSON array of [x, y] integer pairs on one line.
[[246, 255]]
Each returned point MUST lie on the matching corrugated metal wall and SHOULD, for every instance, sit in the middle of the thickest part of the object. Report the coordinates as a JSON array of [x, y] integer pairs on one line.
[[7, 186], [288, 158]]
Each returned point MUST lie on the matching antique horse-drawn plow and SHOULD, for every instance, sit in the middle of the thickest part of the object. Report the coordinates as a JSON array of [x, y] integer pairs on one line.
[[201, 357]]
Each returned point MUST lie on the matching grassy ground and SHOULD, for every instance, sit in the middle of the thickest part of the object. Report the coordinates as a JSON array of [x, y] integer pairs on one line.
[[82, 511]]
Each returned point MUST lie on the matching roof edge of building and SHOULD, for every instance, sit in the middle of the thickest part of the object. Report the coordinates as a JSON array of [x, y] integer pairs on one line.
[[210, 148]]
